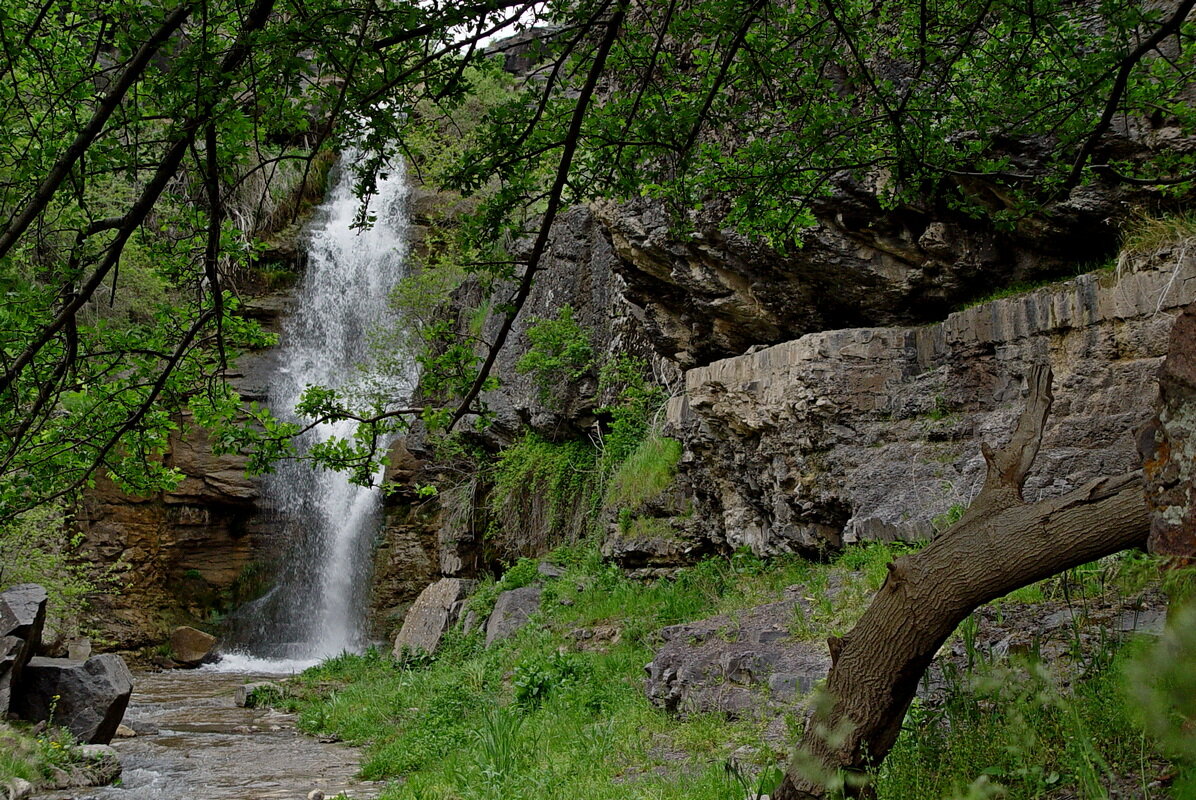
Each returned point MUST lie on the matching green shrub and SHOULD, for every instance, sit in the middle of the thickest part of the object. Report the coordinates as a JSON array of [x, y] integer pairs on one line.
[[559, 353]]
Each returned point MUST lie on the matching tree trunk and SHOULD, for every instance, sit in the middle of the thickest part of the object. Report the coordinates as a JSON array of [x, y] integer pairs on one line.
[[1000, 545]]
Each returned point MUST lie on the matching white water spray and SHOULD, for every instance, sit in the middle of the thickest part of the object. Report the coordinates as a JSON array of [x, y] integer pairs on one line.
[[316, 610]]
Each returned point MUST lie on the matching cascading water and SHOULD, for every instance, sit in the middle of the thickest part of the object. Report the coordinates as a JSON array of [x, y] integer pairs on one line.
[[317, 607]]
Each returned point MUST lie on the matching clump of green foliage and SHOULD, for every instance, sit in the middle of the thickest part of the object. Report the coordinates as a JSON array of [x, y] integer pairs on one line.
[[34, 756], [39, 547], [540, 492], [559, 353]]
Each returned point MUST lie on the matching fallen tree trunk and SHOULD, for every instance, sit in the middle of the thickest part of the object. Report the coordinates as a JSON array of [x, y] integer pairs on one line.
[[999, 545]]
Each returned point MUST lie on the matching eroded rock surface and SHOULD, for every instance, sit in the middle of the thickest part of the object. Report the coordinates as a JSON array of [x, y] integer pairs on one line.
[[435, 611], [872, 433], [1168, 447], [742, 664]]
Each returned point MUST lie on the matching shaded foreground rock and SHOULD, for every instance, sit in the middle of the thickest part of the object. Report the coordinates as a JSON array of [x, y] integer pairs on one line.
[[88, 698], [22, 618], [743, 665], [1168, 447], [191, 647], [511, 612], [435, 611]]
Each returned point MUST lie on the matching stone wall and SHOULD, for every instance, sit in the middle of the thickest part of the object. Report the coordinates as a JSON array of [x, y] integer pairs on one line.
[[872, 433]]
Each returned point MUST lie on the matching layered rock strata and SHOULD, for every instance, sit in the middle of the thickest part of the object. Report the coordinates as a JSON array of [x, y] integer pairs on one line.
[[873, 433]]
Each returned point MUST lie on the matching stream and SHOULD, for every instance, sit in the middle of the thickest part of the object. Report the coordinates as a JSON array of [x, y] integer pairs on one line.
[[206, 748]]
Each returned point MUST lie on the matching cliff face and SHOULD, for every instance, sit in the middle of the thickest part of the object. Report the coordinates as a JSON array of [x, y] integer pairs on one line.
[[871, 433], [181, 555]]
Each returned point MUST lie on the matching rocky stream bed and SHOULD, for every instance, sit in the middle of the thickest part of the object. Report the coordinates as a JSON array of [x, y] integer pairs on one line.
[[193, 742]]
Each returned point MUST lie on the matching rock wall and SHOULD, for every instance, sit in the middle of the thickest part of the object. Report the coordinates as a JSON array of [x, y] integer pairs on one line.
[[1168, 447], [872, 433], [179, 555]]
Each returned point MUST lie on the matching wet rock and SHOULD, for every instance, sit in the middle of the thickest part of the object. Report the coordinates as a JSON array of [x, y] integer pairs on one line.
[[191, 647], [742, 665], [434, 612], [511, 612], [88, 698], [1167, 444], [244, 696]]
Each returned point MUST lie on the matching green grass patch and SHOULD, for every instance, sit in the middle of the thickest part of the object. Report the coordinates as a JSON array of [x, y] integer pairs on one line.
[[536, 717], [647, 472]]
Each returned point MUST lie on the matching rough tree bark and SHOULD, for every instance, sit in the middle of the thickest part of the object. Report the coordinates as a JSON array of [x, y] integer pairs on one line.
[[999, 545]]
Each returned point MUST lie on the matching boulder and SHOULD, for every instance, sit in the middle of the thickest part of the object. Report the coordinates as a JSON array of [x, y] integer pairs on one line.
[[191, 647], [18, 789], [88, 698], [22, 618], [435, 611], [511, 612], [742, 665], [23, 613], [12, 651]]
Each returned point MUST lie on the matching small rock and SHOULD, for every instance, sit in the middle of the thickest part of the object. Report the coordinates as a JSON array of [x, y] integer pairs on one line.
[[550, 570], [125, 732], [244, 696], [103, 765], [79, 649], [191, 647], [315, 794], [19, 789]]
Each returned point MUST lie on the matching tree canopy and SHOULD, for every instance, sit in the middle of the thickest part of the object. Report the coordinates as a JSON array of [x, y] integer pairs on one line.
[[149, 148]]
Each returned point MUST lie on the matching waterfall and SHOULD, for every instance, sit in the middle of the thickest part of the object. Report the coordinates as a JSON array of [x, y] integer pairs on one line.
[[317, 608]]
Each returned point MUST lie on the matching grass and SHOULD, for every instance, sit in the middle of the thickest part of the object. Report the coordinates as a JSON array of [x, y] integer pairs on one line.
[[1148, 236], [536, 717], [34, 756]]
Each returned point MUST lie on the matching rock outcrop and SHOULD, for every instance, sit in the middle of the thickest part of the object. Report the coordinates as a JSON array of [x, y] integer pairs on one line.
[[512, 610], [746, 664], [88, 698], [22, 618], [1168, 447], [872, 433], [435, 611]]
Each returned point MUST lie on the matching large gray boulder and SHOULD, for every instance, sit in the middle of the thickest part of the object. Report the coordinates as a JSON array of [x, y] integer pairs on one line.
[[511, 612], [742, 665], [433, 613], [23, 612], [22, 618], [88, 698]]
